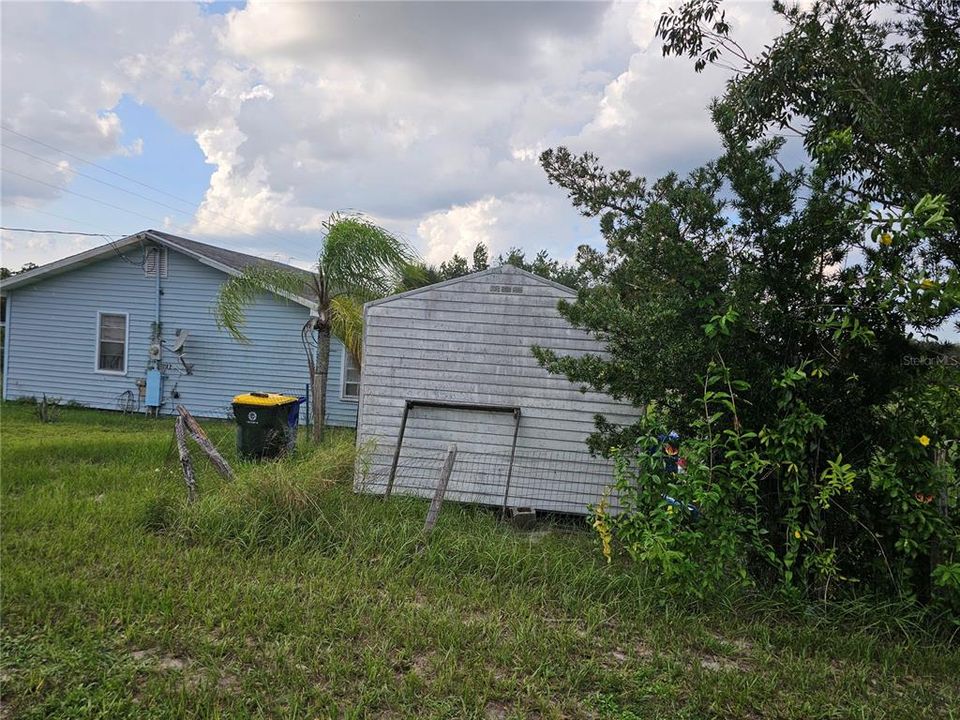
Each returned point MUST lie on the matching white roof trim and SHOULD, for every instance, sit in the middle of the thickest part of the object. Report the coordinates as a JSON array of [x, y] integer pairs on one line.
[[504, 269], [58, 266], [200, 257], [88, 256]]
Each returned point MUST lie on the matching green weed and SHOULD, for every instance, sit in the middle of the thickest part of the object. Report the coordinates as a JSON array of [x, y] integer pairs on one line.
[[285, 594]]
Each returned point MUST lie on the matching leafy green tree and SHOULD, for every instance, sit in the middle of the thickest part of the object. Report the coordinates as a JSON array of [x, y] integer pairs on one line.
[[418, 274], [868, 87], [774, 308], [454, 267], [7, 272], [358, 261], [481, 259], [544, 266]]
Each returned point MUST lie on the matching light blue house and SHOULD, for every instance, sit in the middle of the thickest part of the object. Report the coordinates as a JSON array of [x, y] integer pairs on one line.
[[96, 327]]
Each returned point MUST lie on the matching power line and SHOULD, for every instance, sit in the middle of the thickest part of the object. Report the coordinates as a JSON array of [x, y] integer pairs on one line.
[[80, 195], [91, 177], [193, 205], [69, 219], [54, 232], [118, 187], [90, 162]]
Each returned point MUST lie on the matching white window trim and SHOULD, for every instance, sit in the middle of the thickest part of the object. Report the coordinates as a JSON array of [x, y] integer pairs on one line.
[[126, 344], [343, 379]]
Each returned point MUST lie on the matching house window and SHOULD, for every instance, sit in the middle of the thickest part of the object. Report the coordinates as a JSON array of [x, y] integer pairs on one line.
[[112, 342], [155, 261], [350, 387]]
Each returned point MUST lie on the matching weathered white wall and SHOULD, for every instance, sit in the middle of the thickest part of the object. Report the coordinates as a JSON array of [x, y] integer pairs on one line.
[[469, 341]]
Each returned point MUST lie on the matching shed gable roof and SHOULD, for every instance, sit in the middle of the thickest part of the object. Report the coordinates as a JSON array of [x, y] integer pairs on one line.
[[230, 262], [470, 277]]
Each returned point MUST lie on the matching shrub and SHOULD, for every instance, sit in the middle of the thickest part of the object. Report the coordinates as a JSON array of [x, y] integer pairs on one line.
[[782, 503]]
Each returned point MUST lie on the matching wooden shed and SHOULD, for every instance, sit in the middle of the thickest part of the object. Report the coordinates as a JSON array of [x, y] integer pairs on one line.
[[452, 363]]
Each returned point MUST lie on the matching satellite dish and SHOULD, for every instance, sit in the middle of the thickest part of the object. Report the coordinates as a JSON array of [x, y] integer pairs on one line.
[[180, 340]]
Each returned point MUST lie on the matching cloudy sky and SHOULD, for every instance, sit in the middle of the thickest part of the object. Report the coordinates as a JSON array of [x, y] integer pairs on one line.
[[245, 124]]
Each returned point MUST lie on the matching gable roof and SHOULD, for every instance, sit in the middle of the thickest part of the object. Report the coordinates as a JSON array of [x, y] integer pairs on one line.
[[499, 270], [230, 262]]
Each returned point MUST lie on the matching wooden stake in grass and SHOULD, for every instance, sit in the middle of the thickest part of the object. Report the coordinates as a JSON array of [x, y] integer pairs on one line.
[[179, 430], [197, 433], [437, 501]]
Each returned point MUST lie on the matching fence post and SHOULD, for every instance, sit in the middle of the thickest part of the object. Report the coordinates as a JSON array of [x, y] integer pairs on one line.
[[396, 452], [180, 432], [513, 454], [219, 462], [437, 501], [306, 393]]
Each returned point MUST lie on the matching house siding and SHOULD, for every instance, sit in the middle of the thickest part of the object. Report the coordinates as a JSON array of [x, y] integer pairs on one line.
[[53, 340], [463, 343]]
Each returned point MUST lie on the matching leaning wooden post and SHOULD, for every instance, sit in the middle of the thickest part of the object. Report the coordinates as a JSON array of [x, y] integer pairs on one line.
[[396, 452], [197, 433], [437, 501], [179, 430]]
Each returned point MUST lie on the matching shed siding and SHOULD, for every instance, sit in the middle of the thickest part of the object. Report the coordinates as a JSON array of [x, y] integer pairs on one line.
[[463, 343], [340, 412], [53, 340]]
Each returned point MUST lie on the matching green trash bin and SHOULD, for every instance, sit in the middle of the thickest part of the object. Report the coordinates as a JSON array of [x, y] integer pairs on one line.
[[266, 424]]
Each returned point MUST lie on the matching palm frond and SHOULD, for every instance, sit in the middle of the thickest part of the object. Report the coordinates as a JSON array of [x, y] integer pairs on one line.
[[346, 322], [360, 258], [240, 291], [416, 275]]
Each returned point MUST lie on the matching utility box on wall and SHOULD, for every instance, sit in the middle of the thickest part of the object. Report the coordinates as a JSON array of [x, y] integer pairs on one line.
[[154, 388]]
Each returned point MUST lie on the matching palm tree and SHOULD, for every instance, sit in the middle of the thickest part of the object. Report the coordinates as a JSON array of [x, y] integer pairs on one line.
[[358, 261]]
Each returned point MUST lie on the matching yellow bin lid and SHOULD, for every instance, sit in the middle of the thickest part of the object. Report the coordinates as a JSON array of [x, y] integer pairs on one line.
[[264, 399]]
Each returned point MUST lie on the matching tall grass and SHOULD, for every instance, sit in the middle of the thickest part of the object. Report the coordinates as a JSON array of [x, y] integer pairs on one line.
[[285, 594]]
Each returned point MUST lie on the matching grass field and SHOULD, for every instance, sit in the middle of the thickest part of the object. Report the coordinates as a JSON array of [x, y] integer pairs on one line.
[[283, 594]]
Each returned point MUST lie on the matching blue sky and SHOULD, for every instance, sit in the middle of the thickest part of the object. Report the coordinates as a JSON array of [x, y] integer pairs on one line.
[[252, 122], [170, 161], [262, 119]]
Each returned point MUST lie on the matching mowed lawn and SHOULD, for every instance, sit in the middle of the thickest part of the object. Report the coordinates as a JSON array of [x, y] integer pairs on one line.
[[283, 594]]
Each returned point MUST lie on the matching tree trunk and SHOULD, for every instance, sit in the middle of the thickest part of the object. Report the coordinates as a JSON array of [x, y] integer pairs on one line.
[[318, 384]]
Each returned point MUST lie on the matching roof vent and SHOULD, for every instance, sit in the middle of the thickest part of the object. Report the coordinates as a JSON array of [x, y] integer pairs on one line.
[[512, 289], [154, 261]]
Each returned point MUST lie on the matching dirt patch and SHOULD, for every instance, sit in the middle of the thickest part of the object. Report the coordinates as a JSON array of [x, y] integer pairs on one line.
[[422, 664], [171, 662], [739, 644], [575, 625], [716, 663], [144, 655], [153, 657], [482, 617], [620, 655], [228, 683], [497, 710]]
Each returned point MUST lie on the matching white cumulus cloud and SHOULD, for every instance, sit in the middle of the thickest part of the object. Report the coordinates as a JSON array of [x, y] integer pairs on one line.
[[428, 116]]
